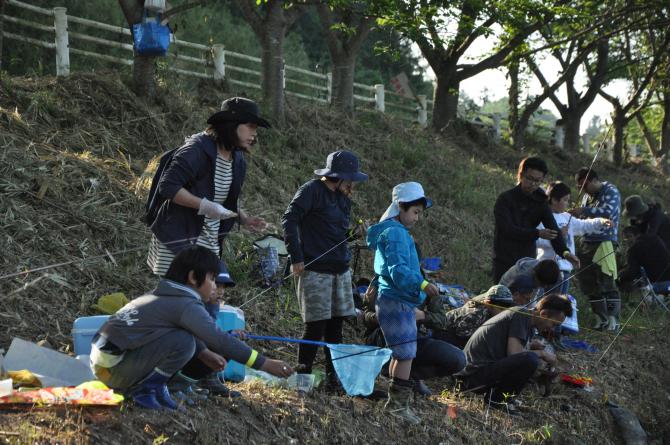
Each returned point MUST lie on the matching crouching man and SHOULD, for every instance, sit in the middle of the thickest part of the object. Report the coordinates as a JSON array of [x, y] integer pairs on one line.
[[498, 364], [151, 338]]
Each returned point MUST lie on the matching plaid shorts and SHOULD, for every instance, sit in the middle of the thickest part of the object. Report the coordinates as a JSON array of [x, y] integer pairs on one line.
[[398, 323], [323, 296]]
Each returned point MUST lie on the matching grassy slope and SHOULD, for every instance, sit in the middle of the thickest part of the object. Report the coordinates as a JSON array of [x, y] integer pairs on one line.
[[72, 185]]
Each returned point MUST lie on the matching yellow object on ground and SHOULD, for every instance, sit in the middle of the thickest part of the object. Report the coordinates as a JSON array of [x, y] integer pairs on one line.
[[111, 303], [605, 257], [25, 378]]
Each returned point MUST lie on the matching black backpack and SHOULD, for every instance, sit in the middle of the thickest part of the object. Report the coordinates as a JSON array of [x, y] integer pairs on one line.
[[154, 200]]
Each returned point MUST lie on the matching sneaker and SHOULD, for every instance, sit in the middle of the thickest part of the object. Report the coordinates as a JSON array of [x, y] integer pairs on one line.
[[421, 388], [612, 324], [601, 323], [215, 386]]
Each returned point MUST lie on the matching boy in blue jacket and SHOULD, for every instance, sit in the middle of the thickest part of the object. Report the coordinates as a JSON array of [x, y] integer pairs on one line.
[[401, 289]]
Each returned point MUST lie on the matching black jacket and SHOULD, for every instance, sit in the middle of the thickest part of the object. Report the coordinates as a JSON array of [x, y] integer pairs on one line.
[[315, 222], [647, 251], [193, 167], [517, 216], [656, 222]]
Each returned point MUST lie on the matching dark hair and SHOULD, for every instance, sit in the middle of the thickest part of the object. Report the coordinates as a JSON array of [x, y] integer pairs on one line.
[[225, 134], [534, 163], [557, 190], [585, 174], [198, 259], [417, 202], [546, 272], [555, 303]]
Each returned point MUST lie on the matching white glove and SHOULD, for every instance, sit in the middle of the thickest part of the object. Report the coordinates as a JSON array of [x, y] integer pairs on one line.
[[214, 211]]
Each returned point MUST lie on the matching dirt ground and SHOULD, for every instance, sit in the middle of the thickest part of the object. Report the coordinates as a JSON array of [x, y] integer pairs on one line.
[[72, 184]]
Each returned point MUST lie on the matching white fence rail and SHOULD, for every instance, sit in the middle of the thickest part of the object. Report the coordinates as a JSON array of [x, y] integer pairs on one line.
[[206, 62]]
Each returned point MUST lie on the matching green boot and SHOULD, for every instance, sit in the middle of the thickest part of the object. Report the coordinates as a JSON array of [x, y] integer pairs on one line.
[[399, 400]]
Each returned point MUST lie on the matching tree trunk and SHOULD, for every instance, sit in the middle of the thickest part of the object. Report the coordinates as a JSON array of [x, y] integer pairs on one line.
[[518, 132], [144, 76], [445, 101], [572, 122], [664, 149], [513, 102], [649, 138], [144, 67], [272, 62], [619, 124], [2, 27], [343, 83]]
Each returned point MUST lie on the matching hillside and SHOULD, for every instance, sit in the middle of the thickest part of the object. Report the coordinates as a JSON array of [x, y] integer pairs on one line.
[[73, 180]]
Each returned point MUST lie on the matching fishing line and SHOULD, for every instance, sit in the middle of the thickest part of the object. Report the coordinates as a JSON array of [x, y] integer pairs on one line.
[[619, 333], [353, 235]]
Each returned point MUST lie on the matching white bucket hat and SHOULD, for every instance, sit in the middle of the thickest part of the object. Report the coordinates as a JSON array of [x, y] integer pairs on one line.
[[405, 192]]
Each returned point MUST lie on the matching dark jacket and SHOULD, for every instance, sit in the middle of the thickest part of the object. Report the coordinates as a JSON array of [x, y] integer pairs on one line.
[[647, 251], [193, 167], [517, 216], [317, 220], [172, 306], [656, 222]]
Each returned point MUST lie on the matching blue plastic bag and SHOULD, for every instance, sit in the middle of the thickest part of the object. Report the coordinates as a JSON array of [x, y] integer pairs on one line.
[[150, 37], [358, 366]]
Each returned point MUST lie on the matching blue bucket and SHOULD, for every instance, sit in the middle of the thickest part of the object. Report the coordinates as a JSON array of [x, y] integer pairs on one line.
[[358, 366]]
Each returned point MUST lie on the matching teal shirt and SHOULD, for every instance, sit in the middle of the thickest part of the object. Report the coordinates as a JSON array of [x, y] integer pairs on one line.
[[396, 262]]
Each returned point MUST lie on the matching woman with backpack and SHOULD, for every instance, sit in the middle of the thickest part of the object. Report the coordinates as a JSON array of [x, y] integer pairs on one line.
[[194, 198]]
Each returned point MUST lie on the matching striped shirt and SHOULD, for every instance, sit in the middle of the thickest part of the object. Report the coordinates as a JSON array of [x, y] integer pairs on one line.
[[160, 256]]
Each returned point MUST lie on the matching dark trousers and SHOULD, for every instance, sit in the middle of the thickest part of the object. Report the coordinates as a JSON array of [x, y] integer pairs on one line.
[[600, 288], [436, 358], [450, 338], [328, 330], [506, 376]]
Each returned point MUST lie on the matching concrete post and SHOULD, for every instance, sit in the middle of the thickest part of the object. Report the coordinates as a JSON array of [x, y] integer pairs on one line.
[[496, 126], [283, 75], [329, 84], [219, 61], [586, 141], [379, 98], [423, 111], [62, 42]]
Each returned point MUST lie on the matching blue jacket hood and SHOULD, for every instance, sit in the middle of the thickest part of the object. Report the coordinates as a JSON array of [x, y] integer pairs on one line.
[[376, 230]]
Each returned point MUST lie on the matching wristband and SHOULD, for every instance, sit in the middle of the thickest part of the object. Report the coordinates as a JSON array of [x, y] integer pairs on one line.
[[424, 284], [252, 358]]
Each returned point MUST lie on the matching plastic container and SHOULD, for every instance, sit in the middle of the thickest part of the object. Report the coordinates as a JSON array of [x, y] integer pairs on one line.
[[570, 325], [83, 330], [302, 382], [232, 318]]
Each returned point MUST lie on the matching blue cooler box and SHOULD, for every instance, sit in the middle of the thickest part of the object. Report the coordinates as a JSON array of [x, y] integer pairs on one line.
[[83, 330], [231, 318]]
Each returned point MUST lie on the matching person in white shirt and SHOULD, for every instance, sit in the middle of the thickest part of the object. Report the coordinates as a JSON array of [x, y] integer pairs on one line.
[[559, 197]]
